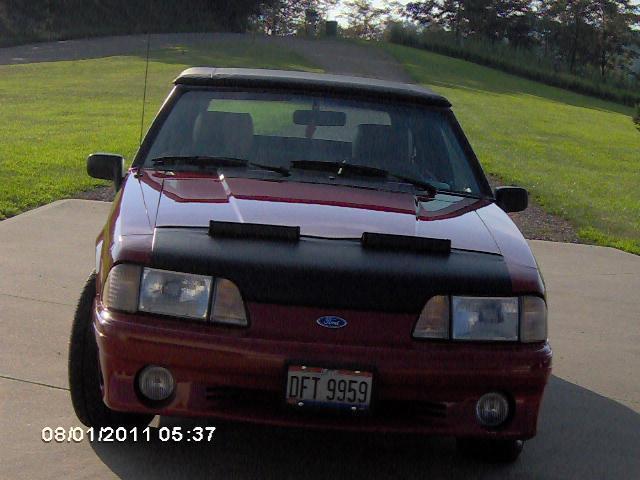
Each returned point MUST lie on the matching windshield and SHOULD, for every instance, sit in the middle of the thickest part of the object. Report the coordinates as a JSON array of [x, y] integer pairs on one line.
[[396, 142]]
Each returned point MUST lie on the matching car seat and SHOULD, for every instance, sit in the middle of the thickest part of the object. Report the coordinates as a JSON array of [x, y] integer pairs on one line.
[[223, 134]]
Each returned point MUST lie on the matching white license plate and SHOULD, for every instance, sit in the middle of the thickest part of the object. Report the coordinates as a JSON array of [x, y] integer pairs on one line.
[[323, 387]]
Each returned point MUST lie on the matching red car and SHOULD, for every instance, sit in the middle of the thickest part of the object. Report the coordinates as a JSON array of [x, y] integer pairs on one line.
[[311, 250]]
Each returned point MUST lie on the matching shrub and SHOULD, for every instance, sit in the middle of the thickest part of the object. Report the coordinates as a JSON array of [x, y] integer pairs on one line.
[[402, 34]]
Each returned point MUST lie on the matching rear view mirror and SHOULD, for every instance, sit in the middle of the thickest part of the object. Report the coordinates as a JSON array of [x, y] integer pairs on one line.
[[512, 199], [319, 118], [106, 166]]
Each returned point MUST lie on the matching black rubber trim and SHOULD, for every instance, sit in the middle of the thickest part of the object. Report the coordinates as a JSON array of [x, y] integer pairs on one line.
[[219, 229], [402, 242], [330, 273]]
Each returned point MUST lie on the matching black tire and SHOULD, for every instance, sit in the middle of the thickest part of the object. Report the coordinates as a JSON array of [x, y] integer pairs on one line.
[[84, 370], [490, 451]]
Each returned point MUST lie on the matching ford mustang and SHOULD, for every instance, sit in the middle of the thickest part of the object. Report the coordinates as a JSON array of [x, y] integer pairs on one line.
[[312, 251]]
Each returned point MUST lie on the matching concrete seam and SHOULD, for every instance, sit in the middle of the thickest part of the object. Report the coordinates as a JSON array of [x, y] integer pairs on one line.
[[40, 384], [37, 300]]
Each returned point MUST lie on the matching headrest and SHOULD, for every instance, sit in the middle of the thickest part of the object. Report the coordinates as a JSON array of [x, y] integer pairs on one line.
[[223, 134], [380, 146]]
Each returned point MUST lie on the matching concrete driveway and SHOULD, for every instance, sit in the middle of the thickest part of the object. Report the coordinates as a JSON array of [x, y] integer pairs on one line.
[[589, 426]]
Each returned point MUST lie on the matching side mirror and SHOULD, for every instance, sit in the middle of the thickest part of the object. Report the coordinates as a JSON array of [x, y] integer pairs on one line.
[[106, 166], [512, 199]]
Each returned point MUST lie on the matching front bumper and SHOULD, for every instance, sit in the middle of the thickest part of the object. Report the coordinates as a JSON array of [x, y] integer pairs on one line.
[[421, 387]]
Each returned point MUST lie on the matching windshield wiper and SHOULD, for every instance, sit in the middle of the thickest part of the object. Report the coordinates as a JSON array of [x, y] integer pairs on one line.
[[341, 168], [204, 161], [284, 171], [421, 184], [200, 161]]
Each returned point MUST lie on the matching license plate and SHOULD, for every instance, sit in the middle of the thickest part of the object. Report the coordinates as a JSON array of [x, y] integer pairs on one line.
[[323, 387]]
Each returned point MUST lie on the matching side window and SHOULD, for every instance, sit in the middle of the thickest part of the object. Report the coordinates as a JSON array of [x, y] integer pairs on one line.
[[431, 151], [463, 179], [176, 134]]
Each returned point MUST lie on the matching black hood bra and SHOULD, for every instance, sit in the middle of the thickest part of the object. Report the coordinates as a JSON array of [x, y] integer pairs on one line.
[[331, 273]]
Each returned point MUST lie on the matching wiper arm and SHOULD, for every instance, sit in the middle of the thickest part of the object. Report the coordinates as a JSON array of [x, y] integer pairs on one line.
[[339, 168], [284, 171], [421, 184], [204, 161], [365, 170], [200, 161]]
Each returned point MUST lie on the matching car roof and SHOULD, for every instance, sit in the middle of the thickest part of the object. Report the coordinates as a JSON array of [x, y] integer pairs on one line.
[[320, 82]]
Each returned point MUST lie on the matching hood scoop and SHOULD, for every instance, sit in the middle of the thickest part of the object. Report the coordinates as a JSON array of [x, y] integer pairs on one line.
[[259, 231], [384, 241]]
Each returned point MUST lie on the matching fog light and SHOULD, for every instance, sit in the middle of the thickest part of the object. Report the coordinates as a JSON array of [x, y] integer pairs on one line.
[[492, 409], [156, 383]]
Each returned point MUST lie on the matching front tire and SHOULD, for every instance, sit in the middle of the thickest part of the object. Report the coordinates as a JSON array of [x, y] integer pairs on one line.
[[490, 450], [84, 370]]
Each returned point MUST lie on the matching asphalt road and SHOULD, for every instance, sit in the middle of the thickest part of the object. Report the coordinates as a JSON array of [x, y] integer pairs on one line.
[[333, 56], [82, 49], [589, 426]]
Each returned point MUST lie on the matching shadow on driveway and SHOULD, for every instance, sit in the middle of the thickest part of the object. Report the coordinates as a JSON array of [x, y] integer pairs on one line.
[[581, 435]]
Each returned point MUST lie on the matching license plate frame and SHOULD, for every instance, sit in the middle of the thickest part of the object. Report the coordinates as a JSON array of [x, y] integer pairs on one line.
[[330, 371]]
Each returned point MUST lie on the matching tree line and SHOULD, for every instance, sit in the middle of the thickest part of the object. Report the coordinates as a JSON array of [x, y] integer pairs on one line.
[[22, 20], [34, 20], [573, 33], [574, 36]]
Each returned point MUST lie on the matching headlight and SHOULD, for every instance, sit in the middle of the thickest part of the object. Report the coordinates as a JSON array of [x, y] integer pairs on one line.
[[176, 294], [131, 288], [483, 318], [499, 319], [121, 288], [533, 321]]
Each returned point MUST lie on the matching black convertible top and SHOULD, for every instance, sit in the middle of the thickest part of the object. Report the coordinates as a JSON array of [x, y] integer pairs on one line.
[[319, 82]]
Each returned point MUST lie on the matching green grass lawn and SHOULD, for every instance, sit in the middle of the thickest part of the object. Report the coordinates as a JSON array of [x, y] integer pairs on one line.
[[578, 156], [52, 115]]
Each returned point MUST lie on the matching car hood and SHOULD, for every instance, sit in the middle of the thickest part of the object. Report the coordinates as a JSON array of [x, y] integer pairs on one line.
[[320, 210]]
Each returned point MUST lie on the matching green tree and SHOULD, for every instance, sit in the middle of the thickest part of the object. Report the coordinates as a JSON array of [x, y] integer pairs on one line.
[[570, 22], [614, 22], [285, 17], [25, 19], [516, 21], [48, 19], [364, 20], [490, 19], [449, 14]]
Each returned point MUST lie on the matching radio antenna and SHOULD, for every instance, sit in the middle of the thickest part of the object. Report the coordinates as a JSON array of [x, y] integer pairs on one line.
[[144, 95]]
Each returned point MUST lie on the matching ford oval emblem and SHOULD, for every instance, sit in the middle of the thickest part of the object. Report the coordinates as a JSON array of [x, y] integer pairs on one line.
[[331, 322]]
